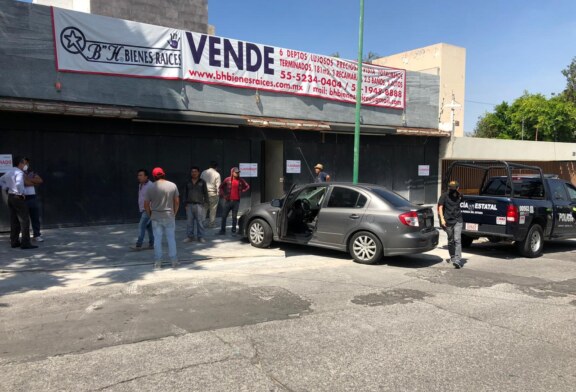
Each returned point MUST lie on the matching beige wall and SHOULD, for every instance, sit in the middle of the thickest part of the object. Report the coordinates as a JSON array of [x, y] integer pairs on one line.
[[511, 150], [446, 61], [75, 5]]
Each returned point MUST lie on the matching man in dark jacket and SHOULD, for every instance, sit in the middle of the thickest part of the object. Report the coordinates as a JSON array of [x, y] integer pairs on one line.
[[230, 191], [451, 221], [195, 199]]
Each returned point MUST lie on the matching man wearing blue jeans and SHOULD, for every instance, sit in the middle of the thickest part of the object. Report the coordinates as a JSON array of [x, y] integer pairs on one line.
[[161, 202], [451, 221], [144, 225], [195, 198]]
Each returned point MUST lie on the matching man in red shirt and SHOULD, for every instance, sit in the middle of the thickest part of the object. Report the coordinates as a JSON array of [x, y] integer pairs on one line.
[[230, 191]]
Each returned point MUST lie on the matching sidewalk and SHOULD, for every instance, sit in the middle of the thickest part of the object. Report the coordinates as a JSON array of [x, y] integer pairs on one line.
[[109, 246]]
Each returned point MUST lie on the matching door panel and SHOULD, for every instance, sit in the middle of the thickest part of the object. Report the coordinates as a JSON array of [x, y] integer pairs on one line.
[[341, 215]]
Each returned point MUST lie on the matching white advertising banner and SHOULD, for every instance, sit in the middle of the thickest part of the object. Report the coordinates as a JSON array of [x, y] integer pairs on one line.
[[97, 44], [216, 60]]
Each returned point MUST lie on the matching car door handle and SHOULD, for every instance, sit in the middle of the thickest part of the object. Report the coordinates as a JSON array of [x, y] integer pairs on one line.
[[354, 216]]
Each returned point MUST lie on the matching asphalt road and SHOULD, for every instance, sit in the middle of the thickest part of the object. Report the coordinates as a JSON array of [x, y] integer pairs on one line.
[[303, 320]]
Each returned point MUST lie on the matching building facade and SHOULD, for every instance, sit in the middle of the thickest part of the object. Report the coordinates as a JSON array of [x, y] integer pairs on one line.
[[449, 63], [184, 14], [88, 134]]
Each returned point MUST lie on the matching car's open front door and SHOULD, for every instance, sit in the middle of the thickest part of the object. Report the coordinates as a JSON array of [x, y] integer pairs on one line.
[[282, 221]]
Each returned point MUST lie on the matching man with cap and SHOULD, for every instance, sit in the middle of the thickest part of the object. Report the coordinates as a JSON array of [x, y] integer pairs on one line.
[[451, 221], [230, 191], [321, 175], [161, 203]]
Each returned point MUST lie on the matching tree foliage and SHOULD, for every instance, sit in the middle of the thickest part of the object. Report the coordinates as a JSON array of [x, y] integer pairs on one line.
[[570, 75], [535, 117], [531, 117]]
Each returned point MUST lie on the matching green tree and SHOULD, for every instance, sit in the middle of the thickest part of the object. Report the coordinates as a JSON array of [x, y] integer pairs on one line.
[[570, 74], [531, 117], [494, 125]]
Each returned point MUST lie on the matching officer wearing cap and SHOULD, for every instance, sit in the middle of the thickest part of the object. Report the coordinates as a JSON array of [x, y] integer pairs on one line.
[[451, 221]]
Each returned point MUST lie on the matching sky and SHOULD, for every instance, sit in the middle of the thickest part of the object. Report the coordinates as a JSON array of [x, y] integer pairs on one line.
[[512, 46]]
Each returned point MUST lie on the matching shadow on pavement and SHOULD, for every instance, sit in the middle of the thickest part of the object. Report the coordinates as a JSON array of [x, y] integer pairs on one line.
[[507, 249], [102, 247]]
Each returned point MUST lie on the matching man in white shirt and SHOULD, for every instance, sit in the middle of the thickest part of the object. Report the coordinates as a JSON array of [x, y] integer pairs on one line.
[[13, 180], [31, 181], [213, 180]]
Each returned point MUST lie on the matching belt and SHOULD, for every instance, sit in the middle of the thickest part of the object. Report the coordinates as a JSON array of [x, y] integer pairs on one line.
[[16, 195]]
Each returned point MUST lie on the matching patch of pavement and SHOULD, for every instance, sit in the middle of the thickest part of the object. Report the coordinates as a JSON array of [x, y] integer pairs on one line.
[[529, 285], [141, 313], [390, 297]]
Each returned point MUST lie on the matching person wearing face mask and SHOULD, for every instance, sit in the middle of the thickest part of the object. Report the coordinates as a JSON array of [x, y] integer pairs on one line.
[[13, 180], [451, 221]]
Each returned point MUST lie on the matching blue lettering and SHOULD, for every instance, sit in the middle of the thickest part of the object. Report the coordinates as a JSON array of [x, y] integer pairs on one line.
[[196, 51], [214, 51], [250, 50], [95, 50], [268, 52], [229, 51]]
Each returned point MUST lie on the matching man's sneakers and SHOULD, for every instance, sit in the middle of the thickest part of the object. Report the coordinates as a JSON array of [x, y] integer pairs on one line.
[[201, 240], [157, 265], [38, 239], [140, 247], [189, 239], [457, 265], [175, 263]]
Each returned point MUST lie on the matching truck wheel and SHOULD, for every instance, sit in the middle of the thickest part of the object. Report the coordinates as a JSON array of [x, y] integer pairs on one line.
[[533, 244], [259, 233], [466, 241]]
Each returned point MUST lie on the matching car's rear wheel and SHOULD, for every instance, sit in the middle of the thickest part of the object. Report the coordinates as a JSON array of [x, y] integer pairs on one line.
[[365, 248], [533, 245], [259, 233]]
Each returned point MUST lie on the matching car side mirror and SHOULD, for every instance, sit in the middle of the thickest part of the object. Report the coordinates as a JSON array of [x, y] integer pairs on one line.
[[276, 203]]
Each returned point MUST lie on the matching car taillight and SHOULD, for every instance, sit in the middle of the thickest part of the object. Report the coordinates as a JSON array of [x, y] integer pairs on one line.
[[409, 218], [512, 213]]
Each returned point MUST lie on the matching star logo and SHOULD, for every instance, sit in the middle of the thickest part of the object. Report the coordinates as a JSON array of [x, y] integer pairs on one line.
[[73, 40]]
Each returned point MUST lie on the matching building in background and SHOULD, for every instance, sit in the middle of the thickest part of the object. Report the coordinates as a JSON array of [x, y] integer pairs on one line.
[[88, 132], [449, 63], [183, 14]]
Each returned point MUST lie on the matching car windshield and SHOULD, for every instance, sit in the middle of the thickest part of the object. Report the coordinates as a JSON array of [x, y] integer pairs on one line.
[[391, 198]]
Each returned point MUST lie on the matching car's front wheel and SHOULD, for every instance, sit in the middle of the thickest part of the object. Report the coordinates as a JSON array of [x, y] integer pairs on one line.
[[259, 233], [365, 248]]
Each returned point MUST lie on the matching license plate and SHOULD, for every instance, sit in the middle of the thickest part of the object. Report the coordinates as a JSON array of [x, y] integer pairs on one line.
[[471, 226]]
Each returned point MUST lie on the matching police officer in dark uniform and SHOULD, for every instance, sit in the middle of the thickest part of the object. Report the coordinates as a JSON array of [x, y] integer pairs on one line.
[[451, 221]]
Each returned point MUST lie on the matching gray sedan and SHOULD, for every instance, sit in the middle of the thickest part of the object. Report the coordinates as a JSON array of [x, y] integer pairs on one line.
[[369, 221]]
